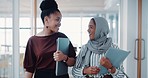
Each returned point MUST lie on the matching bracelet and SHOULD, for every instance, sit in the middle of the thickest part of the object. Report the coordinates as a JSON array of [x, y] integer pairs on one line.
[[111, 67], [66, 59]]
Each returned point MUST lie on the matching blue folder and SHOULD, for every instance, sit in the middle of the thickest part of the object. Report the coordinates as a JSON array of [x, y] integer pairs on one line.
[[62, 45], [116, 57]]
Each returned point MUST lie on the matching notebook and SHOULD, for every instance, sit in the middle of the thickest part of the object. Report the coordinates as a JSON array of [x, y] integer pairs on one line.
[[116, 57], [62, 45]]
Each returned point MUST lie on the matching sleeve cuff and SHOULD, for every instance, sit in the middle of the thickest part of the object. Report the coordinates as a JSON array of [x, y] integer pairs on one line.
[[82, 72], [116, 72], [29, 70]]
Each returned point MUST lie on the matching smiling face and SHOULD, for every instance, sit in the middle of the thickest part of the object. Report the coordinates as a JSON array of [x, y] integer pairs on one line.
[[53, 21], [91, 29]]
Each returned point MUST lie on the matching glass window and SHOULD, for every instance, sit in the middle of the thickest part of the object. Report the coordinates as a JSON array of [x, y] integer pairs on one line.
[[6, 48], [74, 27]]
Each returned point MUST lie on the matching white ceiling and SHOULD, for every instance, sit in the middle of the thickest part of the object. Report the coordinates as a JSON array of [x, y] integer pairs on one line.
[[67, 7]]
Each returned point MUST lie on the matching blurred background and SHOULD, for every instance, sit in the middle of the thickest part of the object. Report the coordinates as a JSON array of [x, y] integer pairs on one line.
[[20, 19]]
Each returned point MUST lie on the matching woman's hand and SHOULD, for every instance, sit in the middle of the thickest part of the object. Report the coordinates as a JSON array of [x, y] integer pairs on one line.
[[91, 70], [105, 62], [28, 74], [59, 56]]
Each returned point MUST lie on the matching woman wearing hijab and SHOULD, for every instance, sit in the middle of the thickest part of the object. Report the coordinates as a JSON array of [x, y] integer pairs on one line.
[[91, 55], [41, 51]]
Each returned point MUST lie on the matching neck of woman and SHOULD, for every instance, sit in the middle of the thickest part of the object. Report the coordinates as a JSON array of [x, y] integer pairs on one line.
[[45, 32]]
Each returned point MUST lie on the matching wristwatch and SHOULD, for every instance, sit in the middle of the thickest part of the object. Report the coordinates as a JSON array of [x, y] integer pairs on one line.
[[112, 69], [66, 59]]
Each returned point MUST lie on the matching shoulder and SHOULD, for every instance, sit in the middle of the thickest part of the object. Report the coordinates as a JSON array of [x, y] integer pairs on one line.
[[34, 38], [31, 38], [83, 49], [60, 34]]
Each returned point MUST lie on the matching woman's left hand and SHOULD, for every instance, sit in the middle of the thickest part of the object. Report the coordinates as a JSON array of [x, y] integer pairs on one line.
[[105, 62], [59, 56]]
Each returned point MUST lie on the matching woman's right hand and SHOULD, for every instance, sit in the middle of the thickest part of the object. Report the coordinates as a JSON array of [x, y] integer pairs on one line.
[[91, 70], [28, 74], [59, 56], [105, 62]]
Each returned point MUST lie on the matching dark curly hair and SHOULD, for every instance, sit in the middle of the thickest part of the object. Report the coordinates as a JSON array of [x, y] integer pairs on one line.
[[48, 7]]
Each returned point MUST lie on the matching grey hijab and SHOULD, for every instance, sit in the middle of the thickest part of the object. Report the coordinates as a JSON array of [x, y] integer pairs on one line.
[[101, 43]]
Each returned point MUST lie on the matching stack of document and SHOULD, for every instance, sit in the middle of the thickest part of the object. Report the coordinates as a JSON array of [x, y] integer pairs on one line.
[[116, 57]]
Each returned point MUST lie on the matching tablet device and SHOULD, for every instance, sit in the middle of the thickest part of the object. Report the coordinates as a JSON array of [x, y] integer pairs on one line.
[[116, 57]]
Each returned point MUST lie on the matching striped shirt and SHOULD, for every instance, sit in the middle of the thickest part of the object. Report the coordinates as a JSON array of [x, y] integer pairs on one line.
[[78, 72]]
